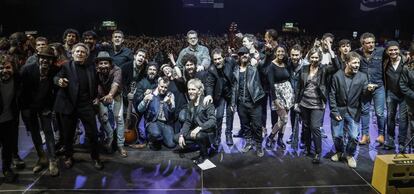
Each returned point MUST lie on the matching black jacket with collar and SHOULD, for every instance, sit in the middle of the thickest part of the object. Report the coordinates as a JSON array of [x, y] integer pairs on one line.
[[214, 85], [322, 74], [203, 116], [342, 100], [15, 102], [254, 86], [67, 98], [407, 83]]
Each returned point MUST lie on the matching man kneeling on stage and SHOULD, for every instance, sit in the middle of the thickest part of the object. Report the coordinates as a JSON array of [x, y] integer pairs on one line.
[[158, 107], [200, 121]]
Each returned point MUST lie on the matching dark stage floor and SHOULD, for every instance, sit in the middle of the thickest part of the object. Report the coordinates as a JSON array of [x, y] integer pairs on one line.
[[146, 171]]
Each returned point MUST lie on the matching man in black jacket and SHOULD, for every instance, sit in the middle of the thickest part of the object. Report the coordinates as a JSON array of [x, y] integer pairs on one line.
[[219, 90], [75, 100], [200, 121], [247, 96], [347, 90], [407, 88], [9, 117], [37, 104]]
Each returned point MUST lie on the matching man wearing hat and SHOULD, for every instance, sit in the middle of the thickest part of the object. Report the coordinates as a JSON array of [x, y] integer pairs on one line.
[[394, 63], [75, 100], [247, 95], [109, 94], [36, 104]]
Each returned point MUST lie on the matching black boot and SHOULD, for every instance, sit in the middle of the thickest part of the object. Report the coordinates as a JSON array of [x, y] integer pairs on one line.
[[270, 142], [280, 141]]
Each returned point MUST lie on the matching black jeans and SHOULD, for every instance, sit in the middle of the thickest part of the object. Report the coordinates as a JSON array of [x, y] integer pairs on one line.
[[202, 139], [88, 117], [220, 106], [6, 132], [31, 120], [251, 119], [311, 122]]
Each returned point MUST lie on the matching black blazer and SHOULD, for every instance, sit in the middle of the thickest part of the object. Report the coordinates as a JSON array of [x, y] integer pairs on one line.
[[32, 95], [342, 101], [128, 76], [15, 103], [203, 116], [67, 98], [214, 85]]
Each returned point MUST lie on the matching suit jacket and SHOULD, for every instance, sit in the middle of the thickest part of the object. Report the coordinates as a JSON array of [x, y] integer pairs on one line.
[[343, 101], [36, 94], [15, 103], [67, 98], [203, 116], [127, 71], [214, 85]]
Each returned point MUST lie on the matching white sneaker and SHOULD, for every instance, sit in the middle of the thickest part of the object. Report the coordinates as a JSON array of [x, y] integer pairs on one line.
[[351, 162], [336, 157]]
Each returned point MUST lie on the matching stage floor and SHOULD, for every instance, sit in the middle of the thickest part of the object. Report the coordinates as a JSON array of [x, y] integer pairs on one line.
[[146, 171]]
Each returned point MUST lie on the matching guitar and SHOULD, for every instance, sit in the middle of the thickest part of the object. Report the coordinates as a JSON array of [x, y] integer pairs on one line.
[[130, 133]]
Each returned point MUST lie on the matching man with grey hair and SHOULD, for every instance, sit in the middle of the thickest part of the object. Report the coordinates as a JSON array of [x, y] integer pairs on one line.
[[201, 52], [75, 100]]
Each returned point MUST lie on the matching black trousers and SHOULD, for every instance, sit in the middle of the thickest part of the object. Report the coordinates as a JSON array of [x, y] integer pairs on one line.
[[87, 116], [31, 120], [251, 119], [311, 122], [202, 139], [7, 129]]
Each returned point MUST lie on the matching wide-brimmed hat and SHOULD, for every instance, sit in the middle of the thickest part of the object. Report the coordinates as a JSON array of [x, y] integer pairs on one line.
[[47, 51], [103, 56]]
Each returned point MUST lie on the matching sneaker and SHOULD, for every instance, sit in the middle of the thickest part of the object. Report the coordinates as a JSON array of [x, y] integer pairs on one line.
[[336, 157], [351, 162], [247, 147], [122, 152], [260, 152], [40, 164], [53, 168]]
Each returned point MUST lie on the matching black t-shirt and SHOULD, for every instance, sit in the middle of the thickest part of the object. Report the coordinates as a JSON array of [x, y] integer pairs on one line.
[[83, 93]]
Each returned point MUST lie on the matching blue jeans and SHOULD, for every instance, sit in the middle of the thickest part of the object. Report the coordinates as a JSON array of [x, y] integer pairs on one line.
[[159, 131], [392, 103], [338, 127], [119, 118], [379, 105]]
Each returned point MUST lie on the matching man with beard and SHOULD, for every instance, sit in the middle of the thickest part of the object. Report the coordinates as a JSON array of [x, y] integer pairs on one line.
[[90, 38], [9, 115], [393, 65], [75, 100], [37, 104], [158, 107], [219, 90], [371, 64], [109, 94], [119, 53], [133, 72], [70, 38], [200, 122], [199, 51], [295, 64], [247, 93], [145, 85], [347, 90]]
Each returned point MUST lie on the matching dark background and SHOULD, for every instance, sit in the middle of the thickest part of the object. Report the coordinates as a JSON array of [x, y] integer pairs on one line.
[[165, 17]]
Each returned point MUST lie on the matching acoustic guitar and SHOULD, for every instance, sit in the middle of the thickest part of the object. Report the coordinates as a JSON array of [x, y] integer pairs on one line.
[[130, 133]]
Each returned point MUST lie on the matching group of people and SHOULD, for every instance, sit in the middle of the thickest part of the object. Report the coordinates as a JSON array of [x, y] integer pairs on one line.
[[183, 102]]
